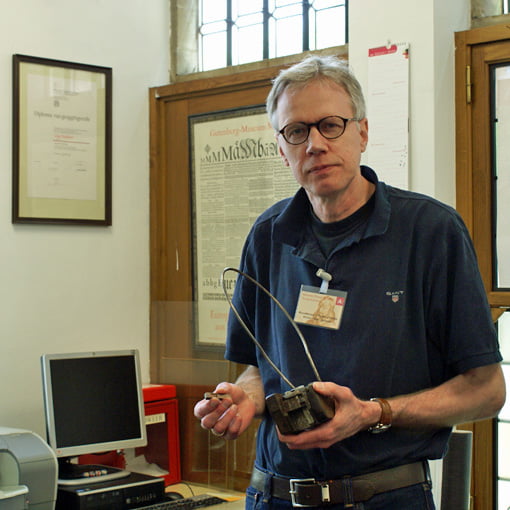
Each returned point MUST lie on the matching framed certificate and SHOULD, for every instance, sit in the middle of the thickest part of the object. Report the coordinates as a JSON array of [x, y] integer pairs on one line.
[[61, 142]]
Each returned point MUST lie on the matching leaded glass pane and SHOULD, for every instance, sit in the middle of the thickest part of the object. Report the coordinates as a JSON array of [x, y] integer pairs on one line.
[[329, 28], [286, 10], [289, 37], [213, 54], [214, 27], [325, 4], [504, 495], [503, 449], [504, 414], [503, 426], [247, 44], [501, 132], [242, 7], [504, 336], [283, 3], [250, 20], [213, 10]]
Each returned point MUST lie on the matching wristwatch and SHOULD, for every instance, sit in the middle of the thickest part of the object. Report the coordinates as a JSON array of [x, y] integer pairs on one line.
[[384, 422]]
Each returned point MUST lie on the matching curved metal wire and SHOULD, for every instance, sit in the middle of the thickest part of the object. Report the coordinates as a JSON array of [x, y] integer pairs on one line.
[[257, 343]]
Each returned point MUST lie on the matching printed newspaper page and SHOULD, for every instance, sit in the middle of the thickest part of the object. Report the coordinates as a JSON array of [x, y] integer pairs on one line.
[[237, 173]]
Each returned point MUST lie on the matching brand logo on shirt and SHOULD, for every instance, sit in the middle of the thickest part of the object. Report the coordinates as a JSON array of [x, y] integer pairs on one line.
[[395, 295]]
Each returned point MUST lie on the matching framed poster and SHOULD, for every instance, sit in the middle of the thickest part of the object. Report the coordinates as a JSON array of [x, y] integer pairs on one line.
[[236, 173], [61, 142]]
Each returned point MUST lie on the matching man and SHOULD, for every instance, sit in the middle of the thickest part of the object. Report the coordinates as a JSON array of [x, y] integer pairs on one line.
[[414, 350]]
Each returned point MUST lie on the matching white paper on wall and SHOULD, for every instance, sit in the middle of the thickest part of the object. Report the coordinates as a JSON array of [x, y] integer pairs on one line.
[[388, 113]]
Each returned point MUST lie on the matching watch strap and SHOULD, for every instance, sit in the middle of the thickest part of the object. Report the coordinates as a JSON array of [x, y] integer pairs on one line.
[[384, 422]]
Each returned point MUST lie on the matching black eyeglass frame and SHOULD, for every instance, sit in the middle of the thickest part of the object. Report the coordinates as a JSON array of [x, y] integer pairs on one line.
[[310, 125]]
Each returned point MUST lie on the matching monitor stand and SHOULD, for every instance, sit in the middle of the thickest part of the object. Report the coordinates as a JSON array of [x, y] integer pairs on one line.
[[79, 474]]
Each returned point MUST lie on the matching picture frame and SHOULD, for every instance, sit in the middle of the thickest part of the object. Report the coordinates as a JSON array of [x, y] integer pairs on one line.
[[62, 142]]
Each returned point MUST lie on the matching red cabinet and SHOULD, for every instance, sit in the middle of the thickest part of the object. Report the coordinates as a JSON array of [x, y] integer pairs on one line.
[[162, 419]]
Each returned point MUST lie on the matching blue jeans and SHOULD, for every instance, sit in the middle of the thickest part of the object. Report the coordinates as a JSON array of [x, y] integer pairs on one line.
[[414, 497]]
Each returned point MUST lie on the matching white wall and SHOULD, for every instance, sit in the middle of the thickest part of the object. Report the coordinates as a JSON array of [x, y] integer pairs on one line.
[[63, 288], [429, 28]]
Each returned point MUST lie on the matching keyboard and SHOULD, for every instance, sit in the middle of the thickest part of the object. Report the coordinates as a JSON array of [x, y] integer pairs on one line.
[[189, 503]]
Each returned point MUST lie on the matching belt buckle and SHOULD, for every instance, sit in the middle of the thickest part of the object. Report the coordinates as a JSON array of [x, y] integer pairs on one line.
[[312, 481]]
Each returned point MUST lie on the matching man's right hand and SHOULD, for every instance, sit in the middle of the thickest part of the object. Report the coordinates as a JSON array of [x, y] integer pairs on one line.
[[226, 417]]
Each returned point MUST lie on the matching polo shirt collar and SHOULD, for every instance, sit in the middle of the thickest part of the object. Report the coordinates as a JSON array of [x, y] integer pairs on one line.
[[289, 225]]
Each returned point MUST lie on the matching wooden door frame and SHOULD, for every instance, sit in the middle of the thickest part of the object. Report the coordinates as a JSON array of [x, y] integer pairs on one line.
[[474, 204], [171, 282]]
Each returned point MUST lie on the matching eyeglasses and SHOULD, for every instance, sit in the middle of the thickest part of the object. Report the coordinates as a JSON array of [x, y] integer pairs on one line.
[[330, 127]]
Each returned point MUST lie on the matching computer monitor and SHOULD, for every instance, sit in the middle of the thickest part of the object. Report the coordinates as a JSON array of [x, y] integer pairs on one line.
[[93, 403]]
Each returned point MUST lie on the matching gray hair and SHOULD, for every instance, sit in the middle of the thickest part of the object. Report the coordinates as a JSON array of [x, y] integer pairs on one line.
[[315, 67]]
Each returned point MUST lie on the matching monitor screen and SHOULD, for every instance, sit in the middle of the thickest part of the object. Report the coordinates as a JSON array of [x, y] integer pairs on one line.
[[93, 402]]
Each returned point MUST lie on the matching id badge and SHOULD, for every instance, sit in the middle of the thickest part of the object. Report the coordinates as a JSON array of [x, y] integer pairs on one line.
[[321, 309]]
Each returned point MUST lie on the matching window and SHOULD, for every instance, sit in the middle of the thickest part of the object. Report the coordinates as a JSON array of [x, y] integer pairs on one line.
[[500, 124], [236, 32], [499, 78]]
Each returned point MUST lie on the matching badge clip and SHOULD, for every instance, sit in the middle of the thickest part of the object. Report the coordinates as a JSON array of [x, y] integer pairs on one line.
[[326, 278]]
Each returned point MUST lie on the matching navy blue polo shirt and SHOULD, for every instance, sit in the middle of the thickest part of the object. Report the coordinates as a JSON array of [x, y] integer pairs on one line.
[[416, 315]]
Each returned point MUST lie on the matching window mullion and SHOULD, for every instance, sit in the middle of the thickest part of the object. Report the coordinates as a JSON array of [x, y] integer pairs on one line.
[[265, 29], [229, 22], [306, 25], [346, 21]]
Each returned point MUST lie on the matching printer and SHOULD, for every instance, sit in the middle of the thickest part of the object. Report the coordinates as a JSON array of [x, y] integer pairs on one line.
[[28, 471]]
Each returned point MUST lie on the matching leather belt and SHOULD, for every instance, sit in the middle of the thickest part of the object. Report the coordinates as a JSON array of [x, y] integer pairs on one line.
[[305, 492]]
